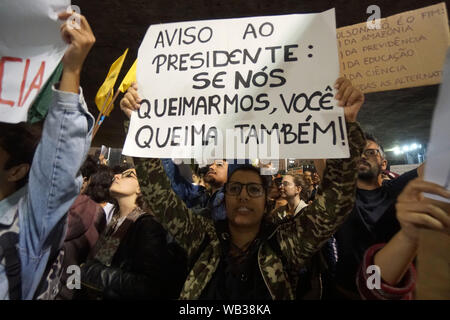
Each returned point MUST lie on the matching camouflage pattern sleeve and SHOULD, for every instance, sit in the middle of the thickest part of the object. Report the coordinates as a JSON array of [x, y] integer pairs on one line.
[[302, 236], [187, 228]]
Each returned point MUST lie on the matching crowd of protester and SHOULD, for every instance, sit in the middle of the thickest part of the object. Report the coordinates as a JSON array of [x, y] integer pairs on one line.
[[148, 231]]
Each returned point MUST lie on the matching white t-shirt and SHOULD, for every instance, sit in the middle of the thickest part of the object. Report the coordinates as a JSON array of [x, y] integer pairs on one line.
[[108, 208]]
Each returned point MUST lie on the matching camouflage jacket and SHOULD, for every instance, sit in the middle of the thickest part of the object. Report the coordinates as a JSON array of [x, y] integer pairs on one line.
[[298, 239]]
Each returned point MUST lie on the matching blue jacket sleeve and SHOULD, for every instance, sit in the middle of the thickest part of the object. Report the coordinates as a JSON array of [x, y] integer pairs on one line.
[[192, 195], [54, 183]]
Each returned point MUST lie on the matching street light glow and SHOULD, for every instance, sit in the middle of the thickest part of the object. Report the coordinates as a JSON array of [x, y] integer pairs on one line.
[[399, 150]]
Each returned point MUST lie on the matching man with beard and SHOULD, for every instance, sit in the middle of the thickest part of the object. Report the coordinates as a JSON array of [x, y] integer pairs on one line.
[[198, 197], [373, 218]]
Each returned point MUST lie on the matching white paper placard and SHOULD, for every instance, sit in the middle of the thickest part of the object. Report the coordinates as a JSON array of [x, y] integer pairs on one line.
[[259, 87], [30, 49]]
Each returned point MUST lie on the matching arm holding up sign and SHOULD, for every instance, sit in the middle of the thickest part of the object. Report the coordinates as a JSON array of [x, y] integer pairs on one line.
[[54, 179], [130, 100], [349, 97], [188, 229], [316, 223]]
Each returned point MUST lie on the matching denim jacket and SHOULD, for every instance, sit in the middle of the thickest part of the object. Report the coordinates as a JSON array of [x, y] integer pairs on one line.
[[54, 183]]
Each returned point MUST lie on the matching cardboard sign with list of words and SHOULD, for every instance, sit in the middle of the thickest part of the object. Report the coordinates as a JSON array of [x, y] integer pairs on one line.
[[408, 50]]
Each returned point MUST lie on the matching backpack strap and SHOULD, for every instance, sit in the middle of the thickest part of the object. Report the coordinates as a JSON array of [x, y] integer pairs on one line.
[[9, 256]]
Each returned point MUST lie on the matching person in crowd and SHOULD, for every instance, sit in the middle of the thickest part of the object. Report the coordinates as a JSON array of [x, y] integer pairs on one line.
[[98, 185], [314, 276], [198, 197], [373, 217], [198, 177], [293, 188], [246, 256], [98, 189], [86, 221], [133, 258], [311, 188], [89, 168], [274, 199], [39, 184], [395, 258], [316, 179]]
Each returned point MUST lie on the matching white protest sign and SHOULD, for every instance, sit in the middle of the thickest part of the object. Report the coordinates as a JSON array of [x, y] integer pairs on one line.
[[30, 49], [437, 167], [259, 87]]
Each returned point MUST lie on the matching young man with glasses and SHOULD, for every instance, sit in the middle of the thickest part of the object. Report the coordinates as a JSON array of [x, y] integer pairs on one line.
[[373, 219]]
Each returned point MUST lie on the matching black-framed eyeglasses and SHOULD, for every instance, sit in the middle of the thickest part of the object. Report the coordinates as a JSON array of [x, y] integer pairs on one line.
[[286, 184], [128, 174], [371, 152], [254, 190]]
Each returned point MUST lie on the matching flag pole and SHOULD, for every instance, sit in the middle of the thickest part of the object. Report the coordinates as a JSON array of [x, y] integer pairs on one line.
[[111, 104], [105, 111], [103, 108]]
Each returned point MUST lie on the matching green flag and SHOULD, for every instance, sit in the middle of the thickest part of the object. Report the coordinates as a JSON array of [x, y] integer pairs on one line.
[[39, 108]]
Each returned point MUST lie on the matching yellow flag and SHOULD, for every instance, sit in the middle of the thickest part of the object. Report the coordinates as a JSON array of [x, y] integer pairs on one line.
[[129, 78], [108, 84]]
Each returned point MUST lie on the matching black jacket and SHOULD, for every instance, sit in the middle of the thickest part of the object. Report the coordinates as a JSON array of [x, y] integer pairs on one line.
[[146, 265]]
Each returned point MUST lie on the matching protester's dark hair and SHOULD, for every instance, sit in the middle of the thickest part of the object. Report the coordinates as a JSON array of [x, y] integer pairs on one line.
[[266, 180], [300, 181], [99, 184], [371, 137], [20, 141], [89, 167], [200, 171], [142, 203], [277, 181], [312, 170]]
